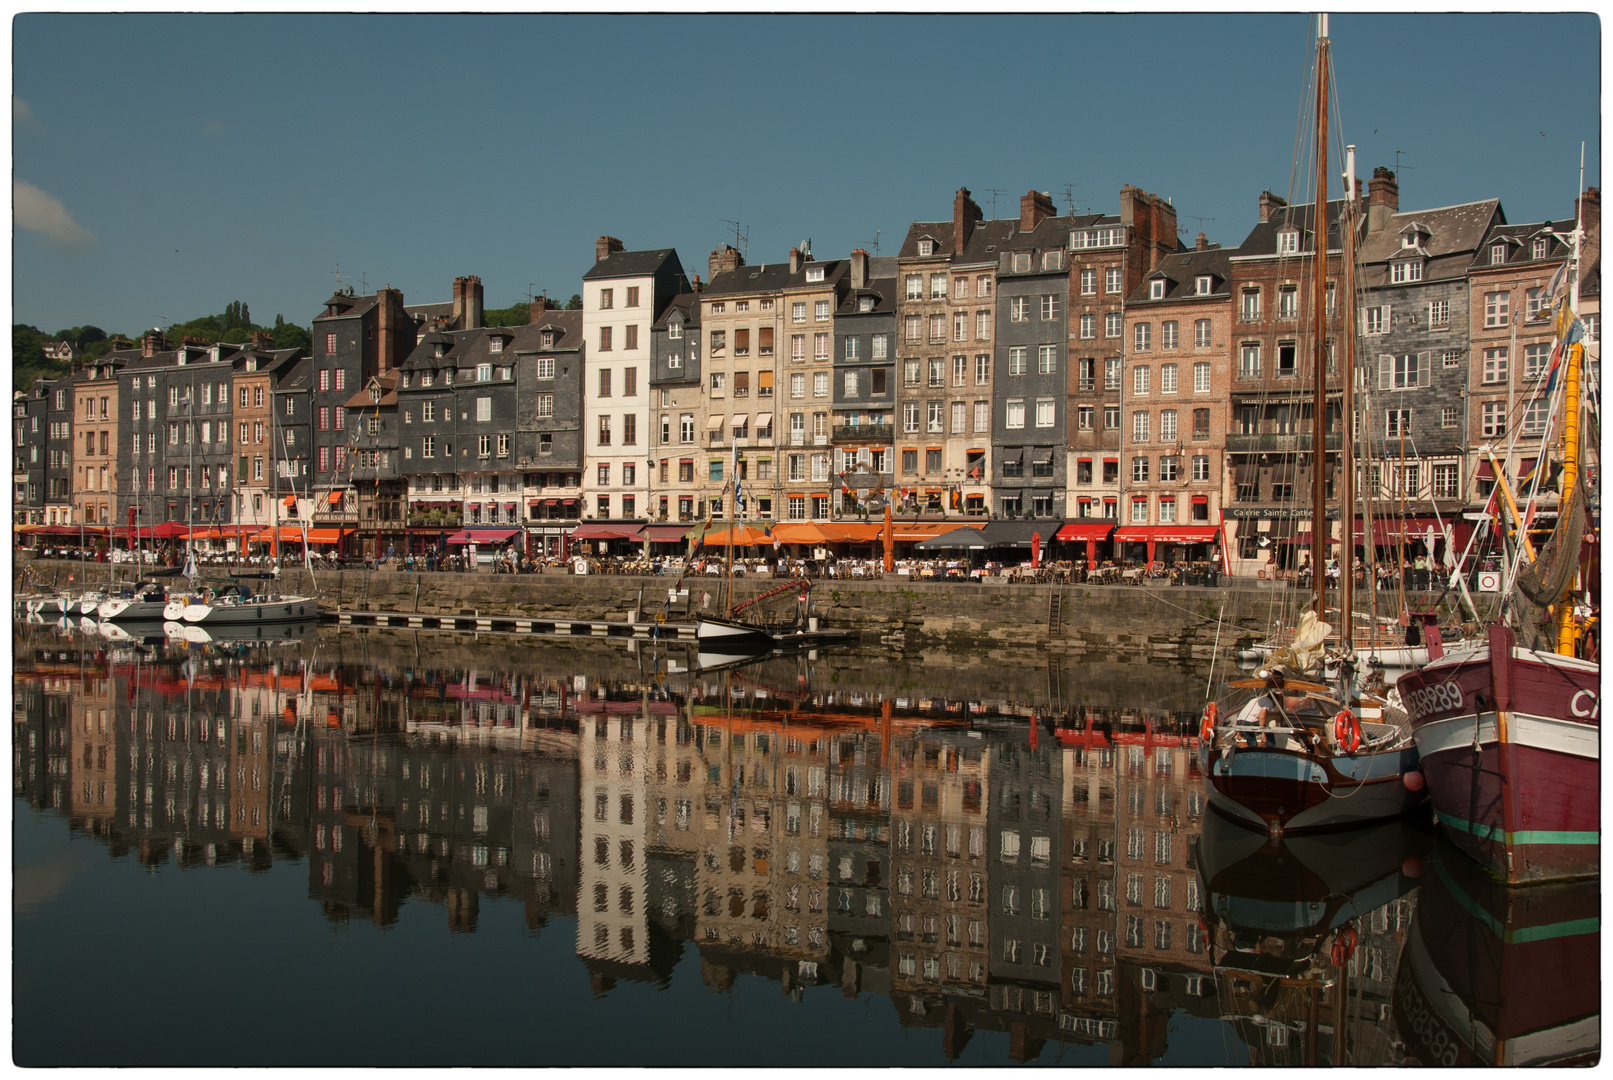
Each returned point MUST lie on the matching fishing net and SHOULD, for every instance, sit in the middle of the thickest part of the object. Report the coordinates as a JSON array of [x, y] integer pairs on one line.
[[1541, 583]]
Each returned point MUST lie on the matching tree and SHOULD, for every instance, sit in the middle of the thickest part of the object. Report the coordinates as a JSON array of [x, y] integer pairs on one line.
[[514, 315], [291, 336], [575, 303]]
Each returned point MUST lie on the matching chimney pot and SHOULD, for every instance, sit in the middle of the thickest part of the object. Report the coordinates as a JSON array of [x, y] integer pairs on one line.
[[965, 216], [604, 246], [1383, 199], [1034, 208], [795, 260], [1202, 243]]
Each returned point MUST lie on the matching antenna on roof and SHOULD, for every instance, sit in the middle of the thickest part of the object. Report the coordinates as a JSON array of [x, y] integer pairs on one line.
[[994, 192], [1195, 217], [1068, 191], [875, 242], [1398, 166], [741, 236], [363, 284], [338, 273]]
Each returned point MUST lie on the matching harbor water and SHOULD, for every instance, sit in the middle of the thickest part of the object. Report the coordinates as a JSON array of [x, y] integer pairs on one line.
[[394, 848]]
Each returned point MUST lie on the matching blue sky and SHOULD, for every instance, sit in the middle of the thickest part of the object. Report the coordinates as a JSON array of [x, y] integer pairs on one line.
[[165, 165]]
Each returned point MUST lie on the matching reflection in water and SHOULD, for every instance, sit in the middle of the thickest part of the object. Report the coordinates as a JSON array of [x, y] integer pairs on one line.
[[1498, 975], [1024, 865]]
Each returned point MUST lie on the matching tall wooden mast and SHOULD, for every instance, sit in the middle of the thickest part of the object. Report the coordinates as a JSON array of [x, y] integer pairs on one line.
[[1319, 307]]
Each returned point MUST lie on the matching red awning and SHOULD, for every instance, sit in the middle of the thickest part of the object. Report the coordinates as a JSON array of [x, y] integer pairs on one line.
[[1169, 534], [607, 532], [1085, 530], [1486, 471]]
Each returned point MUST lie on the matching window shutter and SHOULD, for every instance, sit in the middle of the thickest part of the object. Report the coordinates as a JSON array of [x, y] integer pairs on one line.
[[1386, 371], [1388, 318], [1425, 369]]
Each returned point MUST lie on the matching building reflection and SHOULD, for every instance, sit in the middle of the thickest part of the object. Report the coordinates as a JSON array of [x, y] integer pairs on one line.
[[986, 865]]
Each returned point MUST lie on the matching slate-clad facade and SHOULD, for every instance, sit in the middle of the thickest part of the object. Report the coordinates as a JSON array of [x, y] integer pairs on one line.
[[863, 385], [549, 359], [677, 386]]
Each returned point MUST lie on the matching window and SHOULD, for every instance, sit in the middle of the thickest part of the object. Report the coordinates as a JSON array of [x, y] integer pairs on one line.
[[1089, 282], [960, 417], [1250, 309], [1083, 417], [1445, 482], [982, 370], [1016, 360], [1167, 433], [910, 416], [1156, 289], [1015, 415], [1288, 302], [1111, 419], [1534, 417], [1403, 372], [604, 338], [1140, 337], [1201, 466], [1018, 309], [982, 416], [1139, 432], [1140, 380], [934, 421], [915, 282], [938, 286], [1201, 425], [1111, 324], [1139, 504], [1045, 411], [1495, 364], [1050, 307], [1249, 361], [820, 384], [484, 409], [1111, 373], [1535, 302], [1539, 248], [1111, 279], [1494, 418], [1047, 359], [1288, 242], [820, 311], [1089, 326], [719, 382], [1404, 271], [1495, 308], [1168, 334], [960, 371], [1439, 313], [631, 341], [1397, 423]]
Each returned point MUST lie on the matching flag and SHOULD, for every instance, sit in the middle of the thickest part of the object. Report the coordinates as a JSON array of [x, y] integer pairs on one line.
[[974, 473], [739, 496], [1556, 282]]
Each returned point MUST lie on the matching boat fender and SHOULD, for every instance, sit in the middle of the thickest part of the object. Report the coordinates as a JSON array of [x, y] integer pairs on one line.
[[1207, 726], [1343, 945], [1347, 731]]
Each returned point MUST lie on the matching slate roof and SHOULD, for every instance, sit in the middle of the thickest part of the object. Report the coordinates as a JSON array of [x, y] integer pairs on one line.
[[1262, 239], [389, 393], [882, 289], [619, 264], [1181, 270], [1454, 233], [833, 271], [1521, 251], [745, 280], [426, 312], [354, 305], [567, 326], [685, 304], [985, 240], [300, 377]]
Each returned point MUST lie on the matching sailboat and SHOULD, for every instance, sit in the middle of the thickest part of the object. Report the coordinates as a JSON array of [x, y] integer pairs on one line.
[[1510, 728], [1284, 752]]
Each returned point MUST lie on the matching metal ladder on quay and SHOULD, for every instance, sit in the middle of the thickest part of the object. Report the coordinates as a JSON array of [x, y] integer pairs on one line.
[[1055, 611]]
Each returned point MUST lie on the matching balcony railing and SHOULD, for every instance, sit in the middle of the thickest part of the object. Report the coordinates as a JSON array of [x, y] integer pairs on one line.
[[1278, 444], [867, 433]]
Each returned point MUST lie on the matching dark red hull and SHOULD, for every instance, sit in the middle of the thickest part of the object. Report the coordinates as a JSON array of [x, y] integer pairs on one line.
[[1510, 747]]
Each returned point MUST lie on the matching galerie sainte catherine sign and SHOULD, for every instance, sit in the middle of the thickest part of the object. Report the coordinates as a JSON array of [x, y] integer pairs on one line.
[[1279, 513]]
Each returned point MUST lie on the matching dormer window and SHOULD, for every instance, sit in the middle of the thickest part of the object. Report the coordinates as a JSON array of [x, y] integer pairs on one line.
[[495, 344], [865, 303], [437, 351], [503, 373], [1288, 242], [426, 378], [926, 248], [406, 380], [1540, 247], [548, 339], [814, 273], [1052, 260], [1498, 254], [375, 394], [1202, 285], [674, 330], [1156, 289], [1406, 270], [448, 376], [484, 372], [1021, 262]]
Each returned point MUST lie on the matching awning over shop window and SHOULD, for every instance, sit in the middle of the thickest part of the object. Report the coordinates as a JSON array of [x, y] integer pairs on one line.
[[764, 421], [607, 532], [334, 498], [740, 420], [1085, 530], [481, 536], [713, 423]]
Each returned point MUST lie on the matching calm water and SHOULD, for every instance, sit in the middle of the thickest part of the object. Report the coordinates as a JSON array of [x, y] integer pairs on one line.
[[392, 850]]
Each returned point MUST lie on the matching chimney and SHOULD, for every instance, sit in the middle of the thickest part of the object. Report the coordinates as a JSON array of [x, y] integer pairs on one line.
[[1202, 243], [394, 328], [1589, 210], [151, 344], [1268, 203], [696, 286], [1383, 199], [965, 216], [722, 260], [604, 246], [859, 269], [1152, 224], [1034, 208], [795, 260], [535, 309]]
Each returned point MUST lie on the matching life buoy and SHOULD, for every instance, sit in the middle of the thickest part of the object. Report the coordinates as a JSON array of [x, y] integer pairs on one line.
[[1347, 731], [1344, 945], [1260, 574], [1207, 726]]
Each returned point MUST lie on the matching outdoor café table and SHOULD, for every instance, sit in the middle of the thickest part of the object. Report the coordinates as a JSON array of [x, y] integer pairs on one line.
[[1133, 576]]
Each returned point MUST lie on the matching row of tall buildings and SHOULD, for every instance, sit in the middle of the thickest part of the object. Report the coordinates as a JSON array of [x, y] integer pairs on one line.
[[1087, 369], [981, 871]]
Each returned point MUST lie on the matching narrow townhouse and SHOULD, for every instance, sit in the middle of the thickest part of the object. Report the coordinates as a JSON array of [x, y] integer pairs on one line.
[[677, 385], [947, 317], [256, 374], [144, 449], [1178, 382], [811, 295], [427, 436], [864, 381], [30, 409], [58, 450], [624, 293], [95, 444], [373, 431], [549, 358], [742, 322]]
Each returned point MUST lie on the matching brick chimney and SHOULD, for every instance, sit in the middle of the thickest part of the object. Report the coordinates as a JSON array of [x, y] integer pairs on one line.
[[262, 340], [1268, 203], [965, 216], [1202, 243], [152, 343], [1589, 209], [859, 269], [604, 246], [395, 329], [1034, 208], [1383, 199], [795, 260], [722, 260], [467, 303], [1152, 221]]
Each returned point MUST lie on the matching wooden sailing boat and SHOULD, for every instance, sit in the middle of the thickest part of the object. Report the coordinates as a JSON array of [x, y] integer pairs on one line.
[[728, 635], [1510, 728], [1280, 753]]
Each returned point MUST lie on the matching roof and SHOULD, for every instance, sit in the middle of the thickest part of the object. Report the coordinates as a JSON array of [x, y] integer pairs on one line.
[[1181, 271], [565, 325], [443, 310], [1450, 236], [883, 290], [984, 240], [745, 280], [350, 305], [685, 304], [1262, 239], [833, 271], [620, 264], [388, 383], [298, 377], [1520, 251]]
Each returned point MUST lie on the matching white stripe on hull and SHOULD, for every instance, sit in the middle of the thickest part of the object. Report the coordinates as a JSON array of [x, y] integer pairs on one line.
[[1523, 729]]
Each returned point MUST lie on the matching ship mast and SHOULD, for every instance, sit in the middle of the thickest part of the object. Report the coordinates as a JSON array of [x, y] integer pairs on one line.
[[1319, 306], [1346, 303], [1566, 626]]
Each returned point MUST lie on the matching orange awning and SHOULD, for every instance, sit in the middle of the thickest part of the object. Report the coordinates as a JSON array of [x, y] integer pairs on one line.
[[289, 502], [335, 497], [290, 534]]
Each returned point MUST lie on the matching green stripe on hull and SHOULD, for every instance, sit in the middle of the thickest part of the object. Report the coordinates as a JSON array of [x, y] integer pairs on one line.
[[1515, 839], [1522, 935]]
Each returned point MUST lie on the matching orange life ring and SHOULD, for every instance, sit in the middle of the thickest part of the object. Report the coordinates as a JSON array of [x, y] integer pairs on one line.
[[1347, 731], [1207, 726], [1344, 945]]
